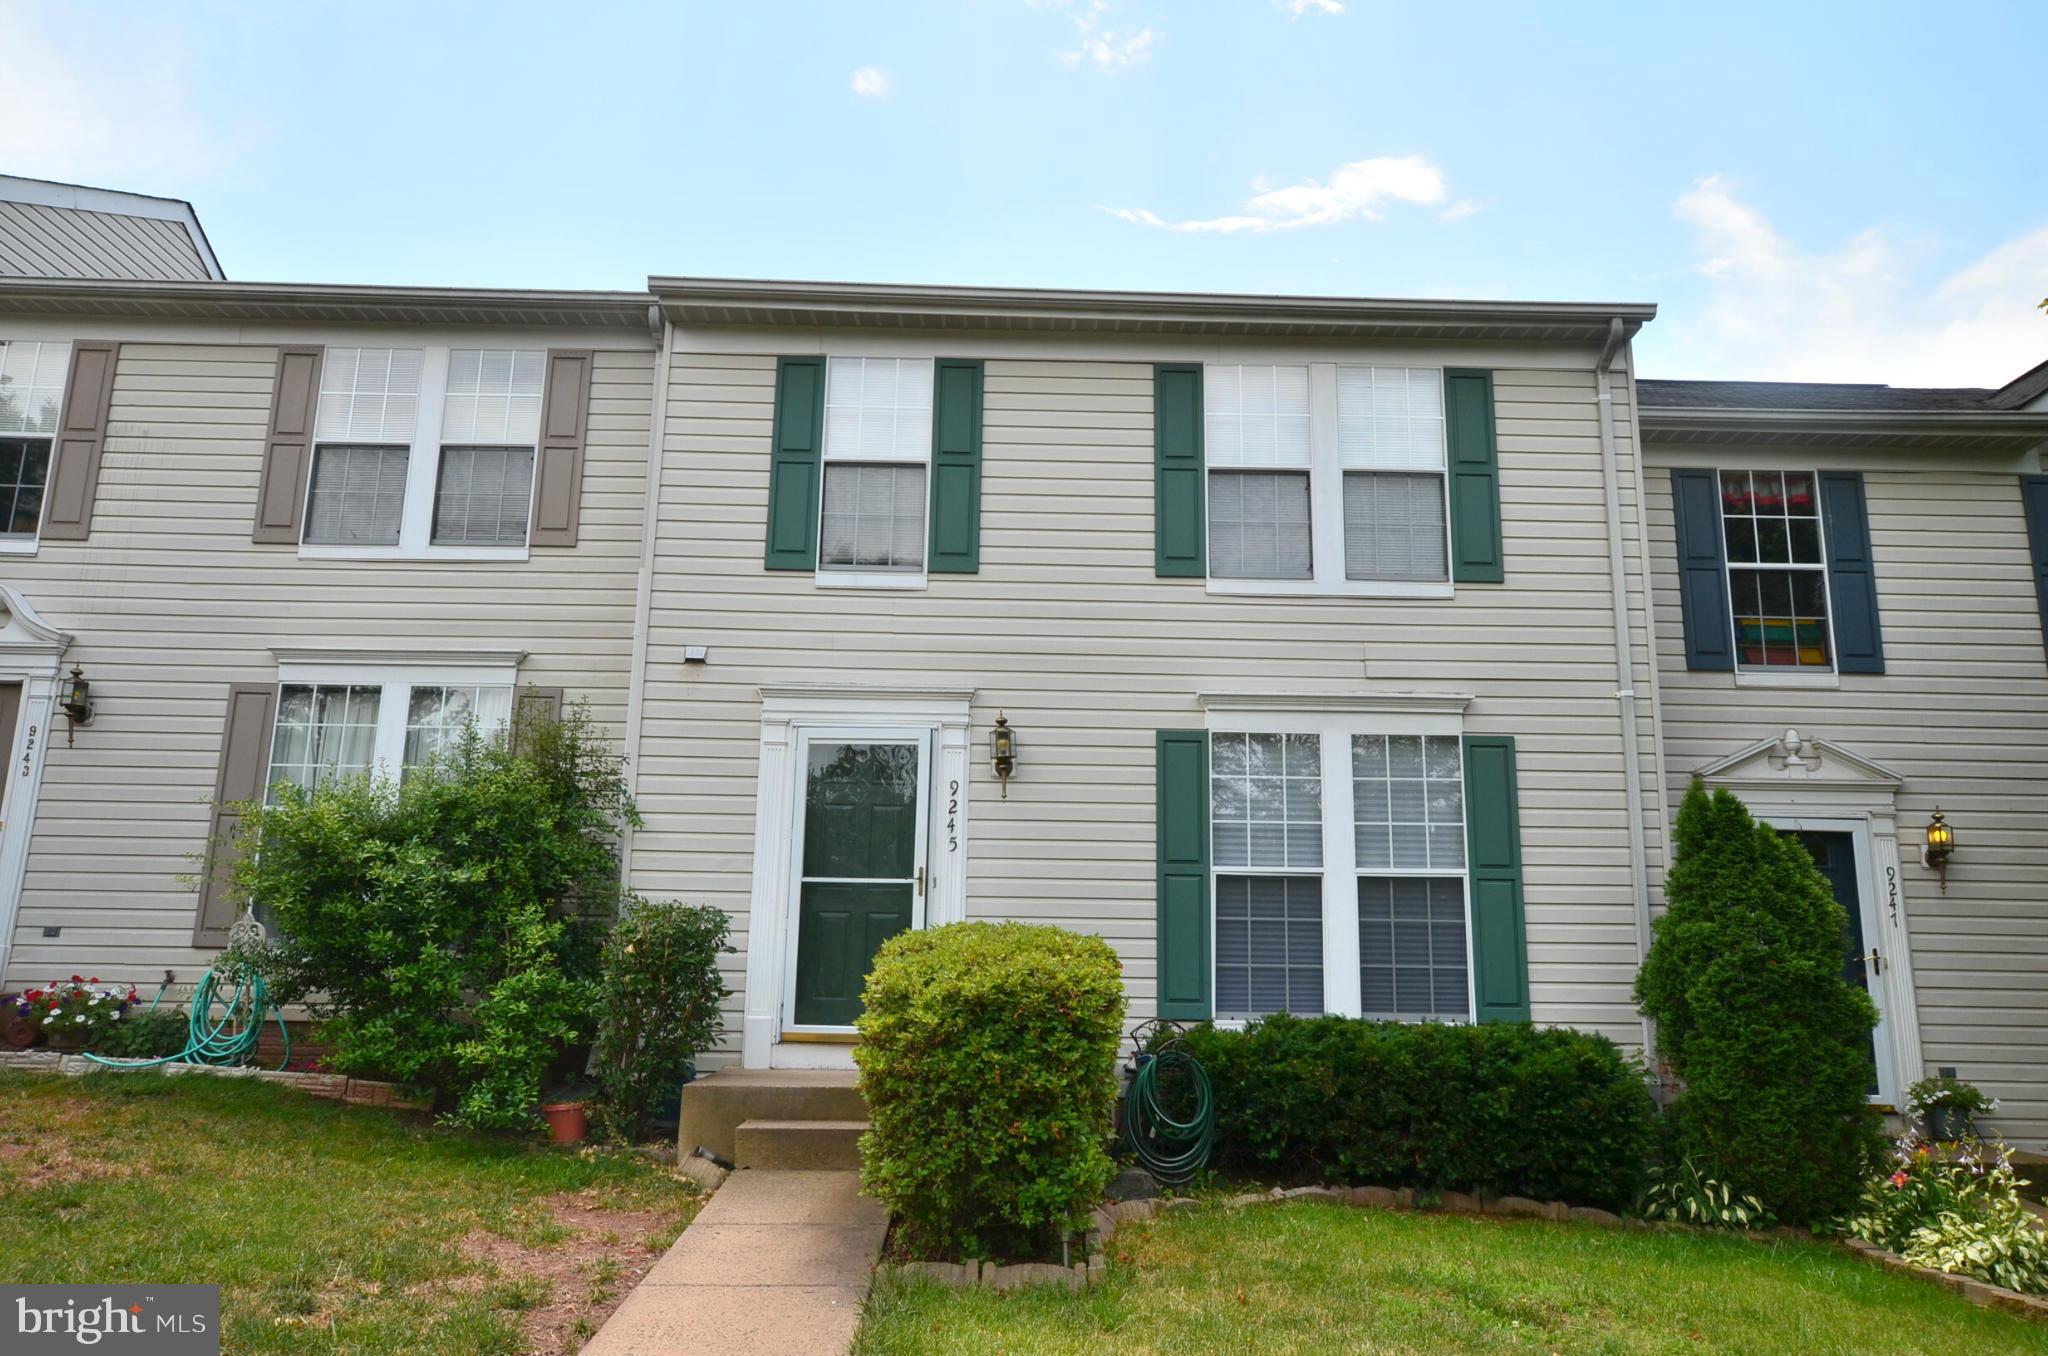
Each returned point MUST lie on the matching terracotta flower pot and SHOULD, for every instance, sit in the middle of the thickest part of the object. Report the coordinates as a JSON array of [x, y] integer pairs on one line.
[[566, 1121]]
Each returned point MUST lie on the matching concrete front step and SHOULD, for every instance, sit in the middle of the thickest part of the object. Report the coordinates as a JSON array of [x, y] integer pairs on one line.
[[815, 1145], [715, 1106]]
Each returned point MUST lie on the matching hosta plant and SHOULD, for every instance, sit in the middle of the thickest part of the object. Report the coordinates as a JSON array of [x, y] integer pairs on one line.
[[1685, 1195], [1955, 1211]]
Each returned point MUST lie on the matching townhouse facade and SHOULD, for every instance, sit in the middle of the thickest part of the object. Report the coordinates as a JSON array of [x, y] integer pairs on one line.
[[1321, 654]]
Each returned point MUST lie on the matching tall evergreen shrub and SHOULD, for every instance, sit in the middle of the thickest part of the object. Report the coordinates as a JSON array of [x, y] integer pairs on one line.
[[1770, 1043]]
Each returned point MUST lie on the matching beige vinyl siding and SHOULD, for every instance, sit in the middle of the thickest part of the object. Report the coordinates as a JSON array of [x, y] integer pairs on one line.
[[1961, 713], [170, 603], [1067, 630], [42, 241]]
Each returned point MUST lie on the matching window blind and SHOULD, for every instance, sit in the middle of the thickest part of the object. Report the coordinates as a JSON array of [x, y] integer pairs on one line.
[[1411, 948], [494, 396], [369, 395], [1269, 945], [1390, 418], [358, 496], [484, 496], [32, 386], [1255, 416], [878, 409], [1394, 526], [1259, 525], [873, 518]]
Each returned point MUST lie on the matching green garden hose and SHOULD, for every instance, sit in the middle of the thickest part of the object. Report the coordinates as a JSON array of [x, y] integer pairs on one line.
[[1171, 1149], [229, 1039]]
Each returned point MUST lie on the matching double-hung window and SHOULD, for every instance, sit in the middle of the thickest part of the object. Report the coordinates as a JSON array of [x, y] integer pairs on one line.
[[31, 397], [1777, 571], [877, 456], [1339, 854], [1326, 478], [352, 721], [424, 451]]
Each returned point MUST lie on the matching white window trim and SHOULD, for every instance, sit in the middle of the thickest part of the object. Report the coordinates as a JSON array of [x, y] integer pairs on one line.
[[1335, 718], [28, 544], [422, 479], [877, 579], [396, 677], [1775, 675], [1326, 512]]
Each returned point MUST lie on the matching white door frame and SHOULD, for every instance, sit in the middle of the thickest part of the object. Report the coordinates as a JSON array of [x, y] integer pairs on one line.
[[1796, 783], [790, 714], [30, 653]]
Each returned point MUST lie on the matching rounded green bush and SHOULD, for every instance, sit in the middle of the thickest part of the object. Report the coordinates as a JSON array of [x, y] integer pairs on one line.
[[1506, 1109], [988, 1063]]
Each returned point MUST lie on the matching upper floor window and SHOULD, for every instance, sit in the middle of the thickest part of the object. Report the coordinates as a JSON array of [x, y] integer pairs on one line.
[[31, 396], [878, 442], [1330, 475], [1777, 571], [424, 451]]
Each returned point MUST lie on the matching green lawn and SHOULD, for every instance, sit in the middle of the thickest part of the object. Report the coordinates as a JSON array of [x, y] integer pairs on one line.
[[1323, 1278], [330, 1229]]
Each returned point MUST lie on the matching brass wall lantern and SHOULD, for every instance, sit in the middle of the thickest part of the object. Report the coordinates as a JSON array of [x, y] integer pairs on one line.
[[77, 704], [1941, 845], [1002, 751]]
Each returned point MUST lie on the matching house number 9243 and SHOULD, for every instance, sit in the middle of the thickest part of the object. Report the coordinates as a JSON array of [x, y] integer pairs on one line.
[[28, 748]]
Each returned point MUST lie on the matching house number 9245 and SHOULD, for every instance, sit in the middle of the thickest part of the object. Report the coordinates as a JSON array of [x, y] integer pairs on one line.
[[953, 815]]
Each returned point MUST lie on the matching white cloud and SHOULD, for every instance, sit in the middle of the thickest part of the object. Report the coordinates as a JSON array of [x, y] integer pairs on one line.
[[1356, 192], [1862, 311], [108, 107], [1107, 50], [872, 82], [1296, 8], [1462, 208]]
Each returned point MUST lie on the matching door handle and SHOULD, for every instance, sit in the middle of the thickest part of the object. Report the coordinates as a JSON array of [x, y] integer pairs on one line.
[[1873, 962], [920, 882]]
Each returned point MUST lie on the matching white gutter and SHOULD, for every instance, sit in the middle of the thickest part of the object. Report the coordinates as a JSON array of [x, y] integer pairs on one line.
[[1624, 650], [643, 588]]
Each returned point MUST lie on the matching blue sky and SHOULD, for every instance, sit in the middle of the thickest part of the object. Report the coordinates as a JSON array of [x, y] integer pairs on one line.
[[1818, 191]]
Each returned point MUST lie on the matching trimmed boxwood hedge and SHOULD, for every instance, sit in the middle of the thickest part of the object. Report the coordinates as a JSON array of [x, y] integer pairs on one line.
[[988, 1063], [1504, 1109]]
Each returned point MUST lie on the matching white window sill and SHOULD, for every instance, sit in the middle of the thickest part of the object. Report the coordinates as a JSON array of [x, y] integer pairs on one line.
[[19, 546], [311, 551], [1343, 588], [1811, 680], [870, 579]]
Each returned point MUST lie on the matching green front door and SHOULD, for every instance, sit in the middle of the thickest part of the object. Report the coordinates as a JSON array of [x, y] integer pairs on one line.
[[861, 873]]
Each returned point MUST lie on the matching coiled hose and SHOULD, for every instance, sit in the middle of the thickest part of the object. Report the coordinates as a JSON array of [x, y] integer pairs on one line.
[[1171, 1149], [230, 1038]]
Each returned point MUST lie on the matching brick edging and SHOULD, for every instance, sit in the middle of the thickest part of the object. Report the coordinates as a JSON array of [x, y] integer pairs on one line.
[[333, 1087], [1981, 1293]]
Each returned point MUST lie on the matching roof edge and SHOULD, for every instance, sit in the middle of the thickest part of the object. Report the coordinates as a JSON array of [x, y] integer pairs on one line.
[[777, 301], [323, 301], [1989, 428]]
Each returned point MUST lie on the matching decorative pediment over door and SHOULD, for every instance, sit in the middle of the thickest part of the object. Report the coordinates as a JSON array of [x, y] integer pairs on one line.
[[23, 632], [1812, 771]]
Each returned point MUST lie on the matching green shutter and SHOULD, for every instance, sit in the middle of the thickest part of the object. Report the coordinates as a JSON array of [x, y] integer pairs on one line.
[[1493, 836], [1177, 511], [793, 474], [956, 468], [1476, 556], [1183, 943]]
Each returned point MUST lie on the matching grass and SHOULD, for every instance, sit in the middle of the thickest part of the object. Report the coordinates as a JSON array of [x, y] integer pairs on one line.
[[1306, 1277], [329, 1228]]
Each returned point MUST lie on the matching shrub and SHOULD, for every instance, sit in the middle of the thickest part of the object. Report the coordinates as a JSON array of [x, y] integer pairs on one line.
[[1771, 1046], [1500, 1108], [658, 1007], [446, 924], [157, 1033], [1957, 1213], [988, 1063]]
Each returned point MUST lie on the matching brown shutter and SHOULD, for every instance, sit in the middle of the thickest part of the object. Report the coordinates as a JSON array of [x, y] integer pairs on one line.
[[288, 446], [81, 436], [244, 762], [558, 463], [531, 705]]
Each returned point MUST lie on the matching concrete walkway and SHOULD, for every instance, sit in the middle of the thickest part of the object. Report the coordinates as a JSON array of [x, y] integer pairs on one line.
[[775, 1265]]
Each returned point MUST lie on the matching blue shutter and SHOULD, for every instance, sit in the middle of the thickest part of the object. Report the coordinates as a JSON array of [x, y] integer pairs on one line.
[[2034, 502], [1852, 583], [1702, 570], [1183, 941]]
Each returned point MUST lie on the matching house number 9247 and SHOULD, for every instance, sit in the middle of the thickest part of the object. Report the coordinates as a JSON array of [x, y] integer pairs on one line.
[[953, 815]]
